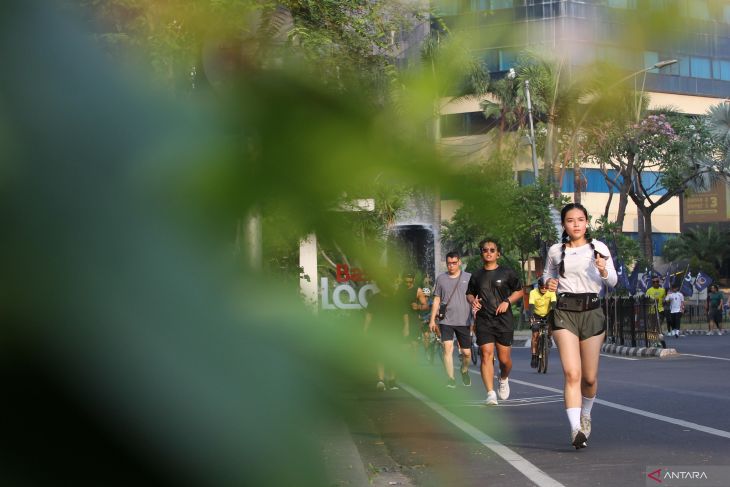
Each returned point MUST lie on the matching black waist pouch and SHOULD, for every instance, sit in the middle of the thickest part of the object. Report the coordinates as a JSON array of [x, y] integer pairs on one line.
[[578, 302]]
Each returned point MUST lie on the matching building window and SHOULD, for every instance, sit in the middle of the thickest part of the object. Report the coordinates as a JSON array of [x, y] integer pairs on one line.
[[684, 66], [622, 4], [700, 67], [500, 4], [721, 70], [479, 5], [507, 59], [650, 59]]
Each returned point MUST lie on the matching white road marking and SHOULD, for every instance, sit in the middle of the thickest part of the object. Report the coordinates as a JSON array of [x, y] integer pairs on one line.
[[618, 356], [640, 412], [705, 356], [519, 462]]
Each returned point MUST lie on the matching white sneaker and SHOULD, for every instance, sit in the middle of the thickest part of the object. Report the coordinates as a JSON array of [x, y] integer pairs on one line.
[[503, 391], [709, 333], [585, 425], [491, 399], [380, 385]]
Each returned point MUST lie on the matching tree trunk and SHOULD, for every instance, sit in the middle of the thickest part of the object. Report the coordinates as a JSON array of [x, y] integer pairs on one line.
[[577, 183], [647, 241], [608, 202], [623, 198]]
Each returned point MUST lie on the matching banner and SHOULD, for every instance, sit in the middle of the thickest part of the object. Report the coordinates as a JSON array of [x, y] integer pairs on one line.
[[687, 289], [702, 282], [623, 275]]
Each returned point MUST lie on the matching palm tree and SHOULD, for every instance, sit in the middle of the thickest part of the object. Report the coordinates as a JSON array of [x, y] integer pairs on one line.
[[718, 120], [555, 98], [507, 106], [703, 245]]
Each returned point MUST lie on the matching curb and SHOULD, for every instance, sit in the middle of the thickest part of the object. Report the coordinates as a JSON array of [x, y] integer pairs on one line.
[[638, 351]]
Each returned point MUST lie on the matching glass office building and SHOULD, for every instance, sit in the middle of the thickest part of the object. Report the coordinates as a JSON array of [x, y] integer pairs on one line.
[[694, 32]]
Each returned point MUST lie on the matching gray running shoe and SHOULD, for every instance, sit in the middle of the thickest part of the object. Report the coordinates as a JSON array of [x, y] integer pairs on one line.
[[585, 425], [578, 439]]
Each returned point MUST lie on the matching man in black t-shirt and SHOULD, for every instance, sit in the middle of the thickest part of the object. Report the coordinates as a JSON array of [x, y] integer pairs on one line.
[[492, 290]]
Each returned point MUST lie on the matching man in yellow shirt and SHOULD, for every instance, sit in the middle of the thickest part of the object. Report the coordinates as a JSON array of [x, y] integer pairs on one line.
[[658, 294], [541, 303]]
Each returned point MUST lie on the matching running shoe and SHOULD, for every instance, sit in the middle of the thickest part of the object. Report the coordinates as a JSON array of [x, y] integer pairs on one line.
[[503, 391], [451, 384], [578, 439], [491, 399], [533, 361], [381, 385], [585, 425], [392, 385], [466, 378]]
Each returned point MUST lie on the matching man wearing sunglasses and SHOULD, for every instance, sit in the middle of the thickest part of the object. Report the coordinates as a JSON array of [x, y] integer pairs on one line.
[[492, 291]]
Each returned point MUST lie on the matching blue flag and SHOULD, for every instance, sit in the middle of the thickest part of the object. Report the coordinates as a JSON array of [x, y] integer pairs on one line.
[[668, 278], [633, 279], [687, 289], [623, 275], [702, 282], [645, 281]]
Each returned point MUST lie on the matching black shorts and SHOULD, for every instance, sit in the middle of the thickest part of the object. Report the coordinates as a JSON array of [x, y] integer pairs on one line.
[[490, 334], [535, 327], [462, 335], [715, 315]]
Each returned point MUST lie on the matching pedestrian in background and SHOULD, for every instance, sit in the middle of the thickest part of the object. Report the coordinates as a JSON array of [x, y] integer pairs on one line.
[[450, 290], [492, 291], [676, 308], [577, 269], [715, 300], [386, 319]]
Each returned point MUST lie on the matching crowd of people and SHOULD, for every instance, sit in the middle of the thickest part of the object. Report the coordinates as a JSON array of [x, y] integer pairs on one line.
[[464, 307]]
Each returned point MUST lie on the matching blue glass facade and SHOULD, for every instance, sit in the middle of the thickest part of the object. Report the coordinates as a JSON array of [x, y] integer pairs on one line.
[[596, 29]]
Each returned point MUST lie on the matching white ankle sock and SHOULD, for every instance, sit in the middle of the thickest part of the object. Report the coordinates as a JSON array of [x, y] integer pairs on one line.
[[587, 405], [573, 417]]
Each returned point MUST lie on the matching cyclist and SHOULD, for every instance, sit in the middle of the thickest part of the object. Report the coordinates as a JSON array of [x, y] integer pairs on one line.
[[657, 294], [541, 303]]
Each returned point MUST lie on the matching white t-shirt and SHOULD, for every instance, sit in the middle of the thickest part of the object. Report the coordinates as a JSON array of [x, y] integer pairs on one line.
[[675, 302], [581, 274]]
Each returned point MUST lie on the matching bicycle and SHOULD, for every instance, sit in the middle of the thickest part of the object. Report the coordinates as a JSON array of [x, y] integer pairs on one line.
[[543, 345], [434, 347]]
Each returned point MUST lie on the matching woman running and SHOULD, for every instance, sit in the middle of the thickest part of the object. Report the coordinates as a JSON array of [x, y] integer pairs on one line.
[[577, 270]]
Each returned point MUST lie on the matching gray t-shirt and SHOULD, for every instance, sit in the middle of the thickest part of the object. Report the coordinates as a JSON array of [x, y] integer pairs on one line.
[[458, 311]]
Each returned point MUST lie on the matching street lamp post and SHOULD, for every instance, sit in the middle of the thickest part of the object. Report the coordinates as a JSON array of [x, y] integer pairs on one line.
[[532, 129]]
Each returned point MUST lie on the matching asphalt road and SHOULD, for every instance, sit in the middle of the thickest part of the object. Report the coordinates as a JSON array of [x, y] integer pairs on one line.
[[671, 412]]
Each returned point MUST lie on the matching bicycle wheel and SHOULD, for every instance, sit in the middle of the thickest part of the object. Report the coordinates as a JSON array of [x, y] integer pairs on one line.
[[430, 351], [544, 353]]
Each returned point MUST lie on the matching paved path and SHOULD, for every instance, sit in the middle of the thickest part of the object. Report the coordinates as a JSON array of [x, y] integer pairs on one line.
[[671, 411]]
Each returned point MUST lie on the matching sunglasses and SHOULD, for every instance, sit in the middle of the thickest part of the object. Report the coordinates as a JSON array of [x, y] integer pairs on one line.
[[487, 250]]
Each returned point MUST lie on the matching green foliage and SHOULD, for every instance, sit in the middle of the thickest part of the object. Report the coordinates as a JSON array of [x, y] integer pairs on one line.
[[489, 193], [627, 248], [703, 248]]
